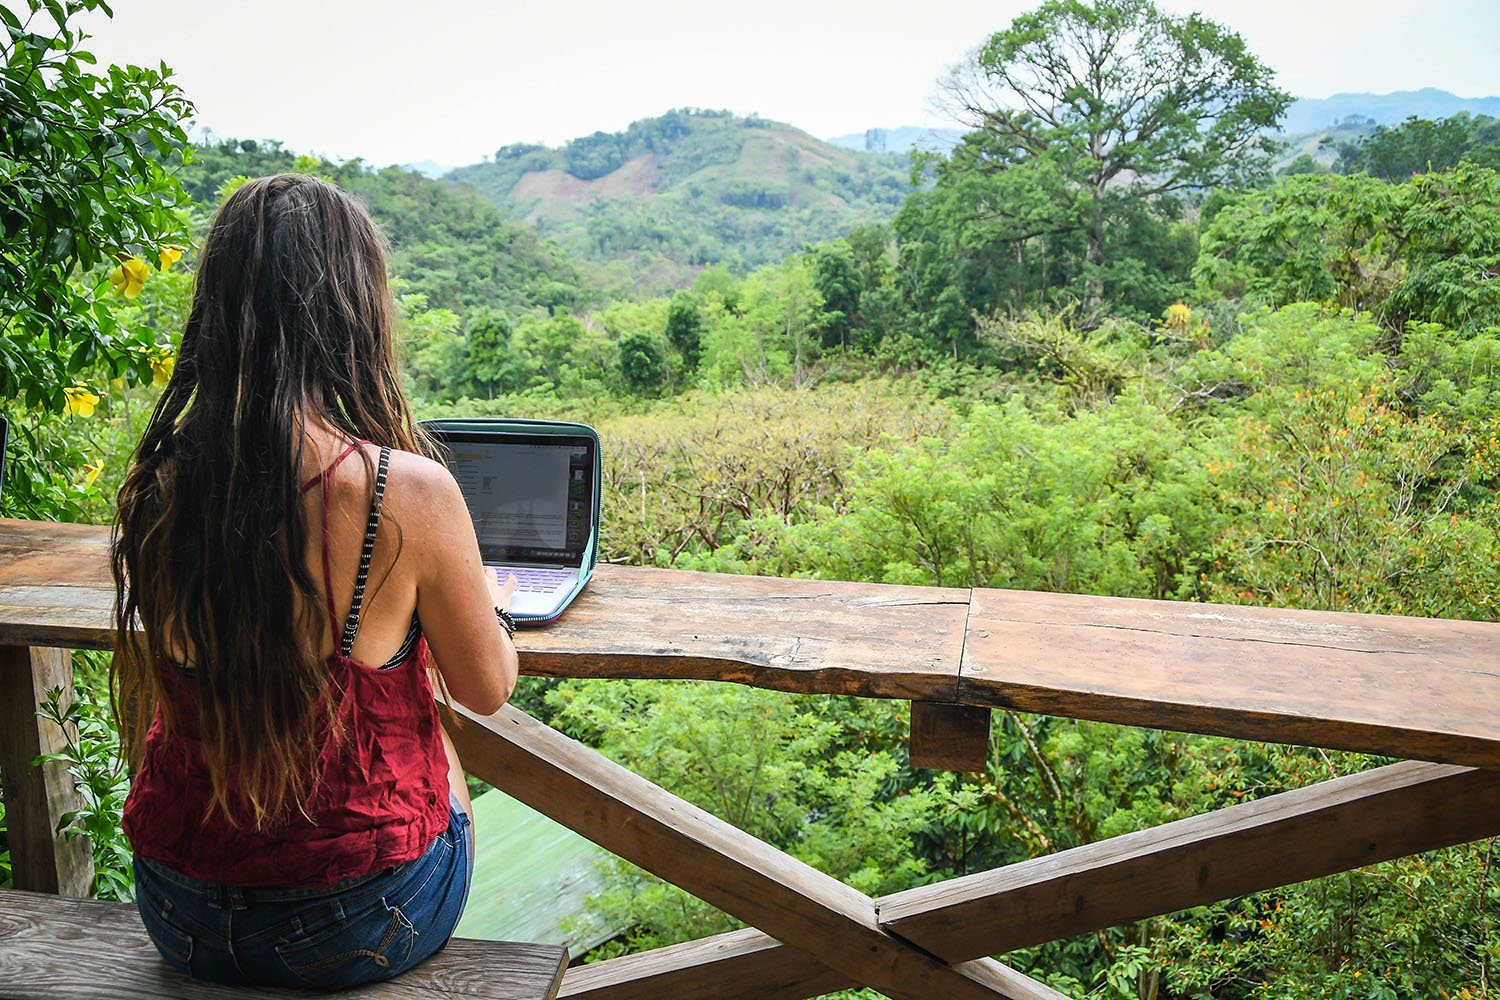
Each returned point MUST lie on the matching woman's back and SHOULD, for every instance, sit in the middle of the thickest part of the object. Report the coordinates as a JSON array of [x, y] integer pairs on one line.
[[297, 813], [381, 789]]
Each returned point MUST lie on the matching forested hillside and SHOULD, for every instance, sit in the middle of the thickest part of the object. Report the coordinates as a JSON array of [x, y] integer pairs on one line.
[[447, 244], [649, 207], [1158, 367]]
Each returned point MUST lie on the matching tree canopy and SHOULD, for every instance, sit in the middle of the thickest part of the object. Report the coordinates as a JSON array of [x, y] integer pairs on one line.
[[1116, 99]]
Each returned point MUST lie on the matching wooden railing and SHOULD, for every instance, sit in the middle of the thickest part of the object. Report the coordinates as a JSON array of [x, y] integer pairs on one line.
[[1420, 689]]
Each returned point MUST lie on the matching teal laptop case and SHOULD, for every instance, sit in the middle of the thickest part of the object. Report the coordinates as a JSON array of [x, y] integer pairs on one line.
[[550, 428]]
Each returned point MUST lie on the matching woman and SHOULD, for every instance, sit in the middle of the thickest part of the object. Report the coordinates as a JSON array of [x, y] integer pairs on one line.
[[297, 814]]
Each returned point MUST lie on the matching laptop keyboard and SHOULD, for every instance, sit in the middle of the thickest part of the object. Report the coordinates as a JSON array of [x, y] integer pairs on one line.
[[531, 580]]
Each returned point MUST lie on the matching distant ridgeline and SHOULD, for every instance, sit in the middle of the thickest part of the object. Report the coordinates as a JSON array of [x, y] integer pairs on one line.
[[447, 243], [648, 207]]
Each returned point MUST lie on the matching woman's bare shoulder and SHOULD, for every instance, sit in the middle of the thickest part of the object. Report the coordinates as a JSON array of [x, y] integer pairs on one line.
[[421, 472], [419, 488]]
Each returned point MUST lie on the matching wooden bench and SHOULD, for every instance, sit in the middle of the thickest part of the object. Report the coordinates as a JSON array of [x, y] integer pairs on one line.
[[56, 948]]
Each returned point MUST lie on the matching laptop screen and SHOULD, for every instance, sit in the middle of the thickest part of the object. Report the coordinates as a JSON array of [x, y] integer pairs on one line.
[[531, 496]]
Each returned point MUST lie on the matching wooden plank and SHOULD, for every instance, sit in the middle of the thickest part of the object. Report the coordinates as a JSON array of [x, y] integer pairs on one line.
[[1406, 687], [74, 949], [36, 798], [808, 636], [740, 965], [1331, 827], [744, 965], [947, 737], [670, 837], [69, 617], [53, 553], [788, 635], [55, 587]]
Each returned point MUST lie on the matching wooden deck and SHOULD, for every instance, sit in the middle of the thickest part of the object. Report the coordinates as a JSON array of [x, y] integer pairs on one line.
[[1414, 688]]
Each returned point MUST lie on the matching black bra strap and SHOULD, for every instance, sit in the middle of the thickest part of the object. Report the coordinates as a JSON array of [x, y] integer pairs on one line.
[[351, 624]]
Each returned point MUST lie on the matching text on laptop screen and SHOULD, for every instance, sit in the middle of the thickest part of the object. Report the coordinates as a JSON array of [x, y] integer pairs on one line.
[[531, 497]]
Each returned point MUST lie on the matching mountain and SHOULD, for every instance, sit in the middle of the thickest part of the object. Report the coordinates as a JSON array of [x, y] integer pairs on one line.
[[900, 140], [428, 168], [647, 208], [1314, 114], [447, 243]]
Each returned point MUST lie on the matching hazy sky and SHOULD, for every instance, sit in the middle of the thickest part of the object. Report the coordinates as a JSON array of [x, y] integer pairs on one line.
[[451, 80]]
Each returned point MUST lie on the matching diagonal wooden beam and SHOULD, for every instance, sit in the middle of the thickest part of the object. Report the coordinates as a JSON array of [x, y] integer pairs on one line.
[[744, 965], [739, 965], [1386, 813], [670, 837], [1334, 826]]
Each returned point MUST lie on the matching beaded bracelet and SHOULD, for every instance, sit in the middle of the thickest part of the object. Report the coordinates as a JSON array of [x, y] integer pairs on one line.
[[506, 621]]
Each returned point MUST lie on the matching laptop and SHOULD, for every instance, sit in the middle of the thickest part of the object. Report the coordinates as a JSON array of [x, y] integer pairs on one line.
[[532, 488]]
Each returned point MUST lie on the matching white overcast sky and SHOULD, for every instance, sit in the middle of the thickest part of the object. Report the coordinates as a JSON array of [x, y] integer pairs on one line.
[[451, 80]]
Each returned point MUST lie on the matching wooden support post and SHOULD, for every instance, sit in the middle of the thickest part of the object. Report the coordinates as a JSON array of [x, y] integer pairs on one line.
[[36, 798], [946, 737]]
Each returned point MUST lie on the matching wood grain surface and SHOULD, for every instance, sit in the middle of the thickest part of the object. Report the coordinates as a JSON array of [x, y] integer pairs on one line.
[[38, 797], [55, 587], [1304, 833], [53, 948], [715, 861], [948, 737], [739, 965], [789, 635], [1406, 687], [1330, 827]]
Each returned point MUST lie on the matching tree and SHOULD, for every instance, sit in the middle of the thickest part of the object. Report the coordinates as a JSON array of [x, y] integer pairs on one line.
[[1120, 99], [489, 360], [685, 328], [642, 362], [837, 277], [1419, 146], [1425, 250], [86, 195]]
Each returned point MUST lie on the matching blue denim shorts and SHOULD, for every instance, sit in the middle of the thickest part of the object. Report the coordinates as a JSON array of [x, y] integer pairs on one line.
[[361, 930]]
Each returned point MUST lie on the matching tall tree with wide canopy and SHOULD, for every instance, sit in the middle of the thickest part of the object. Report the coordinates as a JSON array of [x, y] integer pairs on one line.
[[1119, 100]]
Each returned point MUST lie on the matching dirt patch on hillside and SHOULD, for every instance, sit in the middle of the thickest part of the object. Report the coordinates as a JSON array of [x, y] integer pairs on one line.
[[638, 176]]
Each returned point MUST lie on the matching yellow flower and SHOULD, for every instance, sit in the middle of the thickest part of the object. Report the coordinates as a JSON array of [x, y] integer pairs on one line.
[[129, 277], [171, 253], [162, 367], [80, 401], [91, 473], [1178, 317]]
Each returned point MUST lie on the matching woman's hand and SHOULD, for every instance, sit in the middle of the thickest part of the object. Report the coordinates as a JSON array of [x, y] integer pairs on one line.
[[500, 592]]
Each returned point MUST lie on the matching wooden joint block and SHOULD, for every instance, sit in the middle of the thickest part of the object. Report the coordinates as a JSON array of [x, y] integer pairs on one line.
[[947, 737]]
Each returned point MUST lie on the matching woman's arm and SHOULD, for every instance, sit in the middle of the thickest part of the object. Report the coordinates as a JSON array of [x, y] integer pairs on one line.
[[456, 596]]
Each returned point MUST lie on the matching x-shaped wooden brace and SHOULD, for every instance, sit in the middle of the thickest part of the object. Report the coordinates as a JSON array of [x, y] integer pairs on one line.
[[813, 934]]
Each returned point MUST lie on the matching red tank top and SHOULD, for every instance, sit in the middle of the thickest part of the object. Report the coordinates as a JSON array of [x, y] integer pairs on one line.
[[382, 794]]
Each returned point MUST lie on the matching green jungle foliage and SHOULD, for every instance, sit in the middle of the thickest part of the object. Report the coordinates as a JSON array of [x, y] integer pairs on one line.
[[86, 199], [1282, 393], [647, 208], [447, 244], [1418, 146]]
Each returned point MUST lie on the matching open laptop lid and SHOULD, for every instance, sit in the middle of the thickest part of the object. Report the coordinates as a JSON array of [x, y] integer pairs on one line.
[[533, 489]]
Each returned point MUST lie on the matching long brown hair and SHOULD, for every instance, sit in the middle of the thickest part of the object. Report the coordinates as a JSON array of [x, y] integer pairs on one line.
[[291, 321]]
